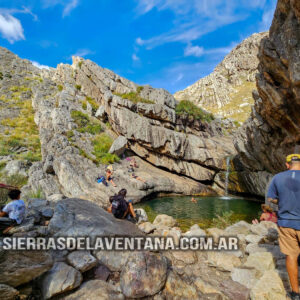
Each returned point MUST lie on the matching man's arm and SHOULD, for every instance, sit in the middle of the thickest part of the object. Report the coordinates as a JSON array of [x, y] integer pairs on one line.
[[3, 214]]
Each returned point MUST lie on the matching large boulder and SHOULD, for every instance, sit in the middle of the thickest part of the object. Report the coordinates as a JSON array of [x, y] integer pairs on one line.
[[77, 217], [7, 292], [261, 261], [61, 278], [177, 288], [114, 260], [269, 287], [19, 267], [164, 221], [119, 145], [223, 261], [82, 260], [96, 290], [143, 275]]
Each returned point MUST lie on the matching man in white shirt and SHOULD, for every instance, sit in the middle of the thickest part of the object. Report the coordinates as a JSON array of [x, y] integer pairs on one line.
[[13, 213]]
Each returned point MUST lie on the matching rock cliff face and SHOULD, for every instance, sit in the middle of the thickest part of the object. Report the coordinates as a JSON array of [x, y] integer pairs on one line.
[[80, 109], [273, 130], [228, 90]]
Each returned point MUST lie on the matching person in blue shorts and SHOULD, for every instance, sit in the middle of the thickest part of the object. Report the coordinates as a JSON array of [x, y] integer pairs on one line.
[[284, 190]]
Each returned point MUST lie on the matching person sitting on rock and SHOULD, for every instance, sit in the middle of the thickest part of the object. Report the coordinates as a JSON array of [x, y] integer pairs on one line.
[[133, 165], [284, 189], [267, 215], [109, 177], [121, 208], [13, 213]]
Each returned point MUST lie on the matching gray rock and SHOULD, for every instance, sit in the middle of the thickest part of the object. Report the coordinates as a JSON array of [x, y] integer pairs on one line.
[[19, 267], [241, 227], [77, 217], [96, 290], [164, 221], [7, 292], [61, 278], [114, 260], [100, 113], [143, 275], [223, 261], [269, 286], [47, 212], [82, 260], [261, 261], [147, 227], [16, 167], [119, 146], [246, 277]]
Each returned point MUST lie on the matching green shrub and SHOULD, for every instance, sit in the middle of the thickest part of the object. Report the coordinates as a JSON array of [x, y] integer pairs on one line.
[[80, 64], [102, 144], [91, 128], [80, 118], [85, 125], [187, 107], [93, 103], [60, 87], [84, 105], [224, 220], [1, 75], [70, 134], [2, 165], [78, 87], [31, 156], [135, 98], [139, 89], [38, 194]]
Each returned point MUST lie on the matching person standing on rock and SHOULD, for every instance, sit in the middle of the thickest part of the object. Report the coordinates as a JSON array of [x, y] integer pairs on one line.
[[284, 190]]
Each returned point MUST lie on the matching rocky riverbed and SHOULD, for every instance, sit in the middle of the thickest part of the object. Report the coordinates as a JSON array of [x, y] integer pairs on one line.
[[255, 271]]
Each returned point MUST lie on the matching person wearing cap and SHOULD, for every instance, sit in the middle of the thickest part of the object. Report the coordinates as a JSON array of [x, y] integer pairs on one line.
[[284, 190]]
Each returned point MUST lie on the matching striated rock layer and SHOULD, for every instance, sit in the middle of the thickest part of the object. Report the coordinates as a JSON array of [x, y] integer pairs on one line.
[[273, 130], [74, 105], [227, 91]]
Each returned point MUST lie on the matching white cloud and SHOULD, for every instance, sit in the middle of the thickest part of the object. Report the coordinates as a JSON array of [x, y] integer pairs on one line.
[[193, 51], [267, 18], [38, 65], [195, 18], [69, 7], [139, 41], [82, 52], [135, 57], [11, 28]]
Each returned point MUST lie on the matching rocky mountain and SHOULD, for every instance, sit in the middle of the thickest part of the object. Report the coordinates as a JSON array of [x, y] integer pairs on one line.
[[81, 112], [273, 130], [228, 90]]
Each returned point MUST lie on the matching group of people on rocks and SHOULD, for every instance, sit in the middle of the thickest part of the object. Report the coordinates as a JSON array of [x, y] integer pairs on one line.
[[108, 178], [284, 191]]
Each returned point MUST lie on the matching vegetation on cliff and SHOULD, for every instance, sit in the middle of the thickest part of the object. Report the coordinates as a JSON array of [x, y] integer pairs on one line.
[[189, 108]]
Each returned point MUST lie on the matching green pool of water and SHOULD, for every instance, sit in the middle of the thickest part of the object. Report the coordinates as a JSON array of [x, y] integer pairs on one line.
[[204, 212]]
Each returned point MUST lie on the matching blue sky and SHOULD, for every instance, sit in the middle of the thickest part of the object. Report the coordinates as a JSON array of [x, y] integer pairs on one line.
[[164, 43]]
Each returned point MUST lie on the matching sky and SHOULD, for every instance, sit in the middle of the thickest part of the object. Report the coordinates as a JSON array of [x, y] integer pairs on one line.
[[165, 43]]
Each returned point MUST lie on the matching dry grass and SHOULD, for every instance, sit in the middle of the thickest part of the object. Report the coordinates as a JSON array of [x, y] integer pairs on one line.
[[232, 109]]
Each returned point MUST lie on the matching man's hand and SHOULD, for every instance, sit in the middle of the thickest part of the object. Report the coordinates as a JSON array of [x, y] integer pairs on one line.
[[275, 201]]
